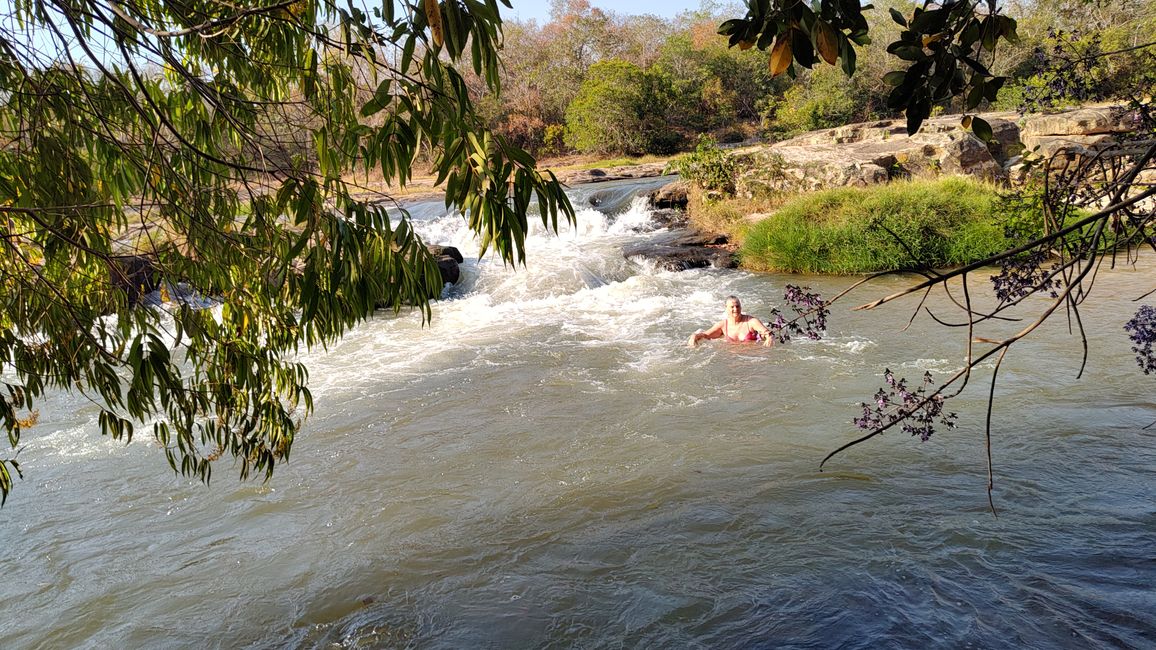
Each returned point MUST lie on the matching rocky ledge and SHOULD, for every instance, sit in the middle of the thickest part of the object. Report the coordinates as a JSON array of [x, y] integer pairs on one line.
[[876, 152], [581, 176], [682, 250]]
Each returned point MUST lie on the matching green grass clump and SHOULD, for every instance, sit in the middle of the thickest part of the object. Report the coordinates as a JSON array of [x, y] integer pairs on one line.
[[901, 225]]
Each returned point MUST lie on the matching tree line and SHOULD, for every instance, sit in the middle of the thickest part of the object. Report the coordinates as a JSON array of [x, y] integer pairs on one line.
[[594, 81]]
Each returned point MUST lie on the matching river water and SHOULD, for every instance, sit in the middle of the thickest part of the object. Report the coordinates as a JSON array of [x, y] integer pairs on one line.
[[547, 465]]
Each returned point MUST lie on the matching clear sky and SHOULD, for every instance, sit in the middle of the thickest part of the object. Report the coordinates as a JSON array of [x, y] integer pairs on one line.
[[539, 10]]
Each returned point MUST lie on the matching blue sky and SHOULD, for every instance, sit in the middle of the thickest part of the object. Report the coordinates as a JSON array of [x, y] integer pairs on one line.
[[539, 10]]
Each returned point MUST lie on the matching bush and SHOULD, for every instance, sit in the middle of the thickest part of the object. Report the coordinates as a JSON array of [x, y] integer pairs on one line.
[[709, 167], [826, 98], [620, 108], [940, 223]]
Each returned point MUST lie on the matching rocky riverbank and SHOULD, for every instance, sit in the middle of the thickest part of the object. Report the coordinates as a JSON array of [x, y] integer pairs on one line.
[[870, 153], [877, 152]]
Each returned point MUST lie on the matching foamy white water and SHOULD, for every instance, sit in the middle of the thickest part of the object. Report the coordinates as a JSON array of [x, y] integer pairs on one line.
[[547, 464]]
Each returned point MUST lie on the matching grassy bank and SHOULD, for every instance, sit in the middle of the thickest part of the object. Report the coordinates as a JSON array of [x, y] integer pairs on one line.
[[938, 223]]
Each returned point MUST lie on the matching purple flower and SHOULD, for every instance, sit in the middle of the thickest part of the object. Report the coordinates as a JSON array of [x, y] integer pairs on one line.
[[1142, 331], [918, 412]]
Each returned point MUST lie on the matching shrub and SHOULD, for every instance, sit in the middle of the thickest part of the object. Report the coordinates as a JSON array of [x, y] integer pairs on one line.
[[708, 166], [826, 98], [620, 108], [939, 223]]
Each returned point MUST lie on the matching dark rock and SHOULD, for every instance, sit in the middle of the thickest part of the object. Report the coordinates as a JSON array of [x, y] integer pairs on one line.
[[135, 275], [671, 195], [698, 238], [449, 268], [669, 218], [449, 251], [689, 250]]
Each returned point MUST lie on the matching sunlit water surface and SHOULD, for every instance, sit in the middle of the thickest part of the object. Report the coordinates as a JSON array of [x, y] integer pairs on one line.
[[547, 465]]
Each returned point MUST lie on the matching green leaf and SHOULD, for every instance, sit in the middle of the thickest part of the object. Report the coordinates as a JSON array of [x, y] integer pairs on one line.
[[895, 77], [974, 96], [1007, 29], [244, 197], [910, 53], [930, 22], [801, 48], [981, 129], [990, 33], [729, 27], [992, 87]]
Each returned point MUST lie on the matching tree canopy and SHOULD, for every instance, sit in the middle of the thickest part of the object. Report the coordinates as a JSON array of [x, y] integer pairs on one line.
[[216, 146]]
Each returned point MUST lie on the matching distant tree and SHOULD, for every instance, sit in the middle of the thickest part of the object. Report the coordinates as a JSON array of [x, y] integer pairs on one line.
[[823, 98], [133, 156], [618, 109], [945, 43], [713, 87], [1073, 51]]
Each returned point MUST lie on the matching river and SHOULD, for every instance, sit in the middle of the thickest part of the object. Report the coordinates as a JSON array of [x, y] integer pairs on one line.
[[546, 464]]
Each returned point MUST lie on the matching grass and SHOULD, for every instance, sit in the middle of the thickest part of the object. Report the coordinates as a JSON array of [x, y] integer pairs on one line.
[[731, 215], [937, 223]]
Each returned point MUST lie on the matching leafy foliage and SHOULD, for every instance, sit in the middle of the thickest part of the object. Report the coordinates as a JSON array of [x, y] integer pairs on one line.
[[916, 410], [810, 318], [709, 167], [945, 44], [619, 109], [131, 122], [1142, 330], [824, 99]]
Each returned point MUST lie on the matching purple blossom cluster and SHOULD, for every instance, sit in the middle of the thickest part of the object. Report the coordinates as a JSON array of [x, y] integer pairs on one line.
[[810, 315], [1142, 330], [918, 412], [1025, 275]]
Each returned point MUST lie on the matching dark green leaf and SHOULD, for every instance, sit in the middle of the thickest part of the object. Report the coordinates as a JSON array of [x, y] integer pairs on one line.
[[801, 48], [1007, 26], [981, 129], [895, 77], [992, 87], [910, 53], [729, 27], [974, 96]]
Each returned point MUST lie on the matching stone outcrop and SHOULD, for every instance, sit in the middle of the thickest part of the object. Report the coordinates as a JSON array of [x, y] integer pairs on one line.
[[876, 152], [580, 176], [1078, 132], [685, 250], [867, 153], [448, 257], [671, 195]]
